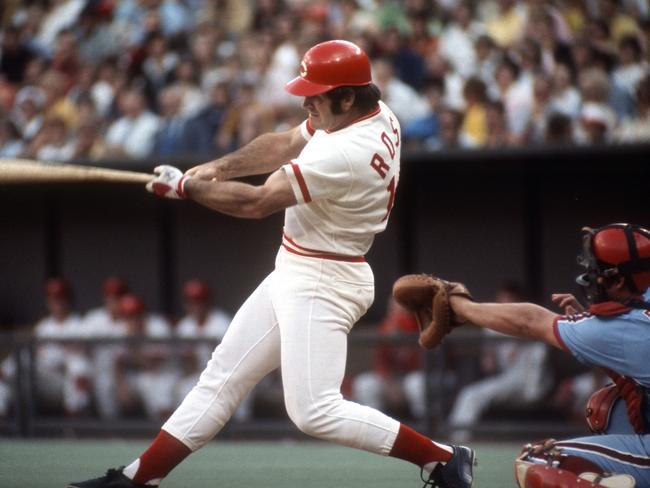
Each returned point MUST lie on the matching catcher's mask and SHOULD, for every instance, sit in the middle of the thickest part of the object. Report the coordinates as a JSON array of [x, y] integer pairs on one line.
[[610, 252]]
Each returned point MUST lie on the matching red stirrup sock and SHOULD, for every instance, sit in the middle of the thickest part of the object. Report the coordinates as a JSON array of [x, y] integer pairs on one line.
[[164, 454], [418, 449]]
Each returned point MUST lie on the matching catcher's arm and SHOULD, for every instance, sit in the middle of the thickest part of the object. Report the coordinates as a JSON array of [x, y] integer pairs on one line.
[[525, 320]]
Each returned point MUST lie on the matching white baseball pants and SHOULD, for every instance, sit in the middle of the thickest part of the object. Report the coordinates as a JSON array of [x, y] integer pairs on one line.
[[298, 318]]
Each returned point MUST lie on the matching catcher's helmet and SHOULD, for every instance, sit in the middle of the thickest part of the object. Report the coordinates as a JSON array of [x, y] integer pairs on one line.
[[615, 250], [329, 65]]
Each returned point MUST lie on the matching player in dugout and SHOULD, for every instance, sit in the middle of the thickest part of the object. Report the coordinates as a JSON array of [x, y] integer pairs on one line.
[[613, 334], [335, 175]]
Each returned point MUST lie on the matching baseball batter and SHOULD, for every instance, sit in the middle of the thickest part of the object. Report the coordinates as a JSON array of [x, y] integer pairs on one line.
[[336, 175], [613, 334]]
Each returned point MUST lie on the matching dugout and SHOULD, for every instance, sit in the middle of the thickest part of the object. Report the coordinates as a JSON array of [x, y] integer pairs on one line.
[[481, 217]]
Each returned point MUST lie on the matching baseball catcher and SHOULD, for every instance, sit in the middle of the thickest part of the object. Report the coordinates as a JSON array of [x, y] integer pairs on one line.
[[612, 333]]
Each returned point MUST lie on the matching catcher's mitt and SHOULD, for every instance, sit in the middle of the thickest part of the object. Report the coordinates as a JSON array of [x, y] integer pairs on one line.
[[428, 298]]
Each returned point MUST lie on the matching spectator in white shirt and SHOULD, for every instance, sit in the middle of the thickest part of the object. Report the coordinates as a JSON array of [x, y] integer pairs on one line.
[[458, 38], [637, 127], [53, 142], [566, 98], [597, 118], [132, 134], [407, 104], [631, 68], [516, 98]]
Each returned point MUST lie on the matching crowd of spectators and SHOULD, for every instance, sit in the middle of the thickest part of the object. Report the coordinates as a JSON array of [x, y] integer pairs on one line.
[[124, 79]]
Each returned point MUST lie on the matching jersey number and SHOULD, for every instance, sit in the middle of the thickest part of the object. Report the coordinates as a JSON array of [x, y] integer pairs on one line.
[[382, 168], [391, 197]]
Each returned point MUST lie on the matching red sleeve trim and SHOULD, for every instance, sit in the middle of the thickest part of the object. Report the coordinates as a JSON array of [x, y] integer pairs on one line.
[[301, 183], [556, 333], [310, 129]]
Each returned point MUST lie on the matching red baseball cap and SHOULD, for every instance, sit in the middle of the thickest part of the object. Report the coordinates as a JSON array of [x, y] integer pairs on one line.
[[114, 287], [131, 306], [58, 288], [196, 290]]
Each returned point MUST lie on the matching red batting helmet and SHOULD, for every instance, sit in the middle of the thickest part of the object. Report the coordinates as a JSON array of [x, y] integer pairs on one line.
[[329, 65], [617, 250], [196, 290]]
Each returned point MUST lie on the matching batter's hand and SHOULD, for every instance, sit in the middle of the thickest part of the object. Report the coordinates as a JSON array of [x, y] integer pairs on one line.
[[206, 171], [568, 303], [169, 182]]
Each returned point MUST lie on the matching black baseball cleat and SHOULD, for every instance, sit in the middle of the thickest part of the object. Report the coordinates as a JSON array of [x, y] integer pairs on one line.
[[458, 472], [114, 478]]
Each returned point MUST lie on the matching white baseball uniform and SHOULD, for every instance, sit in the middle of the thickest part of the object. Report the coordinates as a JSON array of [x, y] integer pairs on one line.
[[60, 368], [99, 323], [521, 380], [214, 328], [299, 316]]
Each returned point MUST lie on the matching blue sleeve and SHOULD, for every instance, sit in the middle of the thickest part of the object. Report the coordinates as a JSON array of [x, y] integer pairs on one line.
[[592, 340]]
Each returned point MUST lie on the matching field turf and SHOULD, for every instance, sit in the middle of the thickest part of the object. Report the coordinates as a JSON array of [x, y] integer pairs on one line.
[[45, 463]]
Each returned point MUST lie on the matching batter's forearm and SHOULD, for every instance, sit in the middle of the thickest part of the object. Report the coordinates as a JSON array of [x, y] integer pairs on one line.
[[525, 320], [228, 197], [264, 154]]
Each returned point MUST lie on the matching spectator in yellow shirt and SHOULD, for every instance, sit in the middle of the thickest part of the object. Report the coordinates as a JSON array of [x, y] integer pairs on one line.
[[474, 127], [508, 26]]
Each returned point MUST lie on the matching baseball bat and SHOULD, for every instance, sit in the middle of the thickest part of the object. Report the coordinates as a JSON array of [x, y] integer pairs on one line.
[[30, 171]]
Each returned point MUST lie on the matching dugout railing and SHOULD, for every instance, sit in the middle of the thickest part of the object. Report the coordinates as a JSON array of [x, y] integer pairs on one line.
[[503, 421]]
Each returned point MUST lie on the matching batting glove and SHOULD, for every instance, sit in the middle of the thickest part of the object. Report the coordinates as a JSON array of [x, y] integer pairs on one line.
[[168, 183]]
